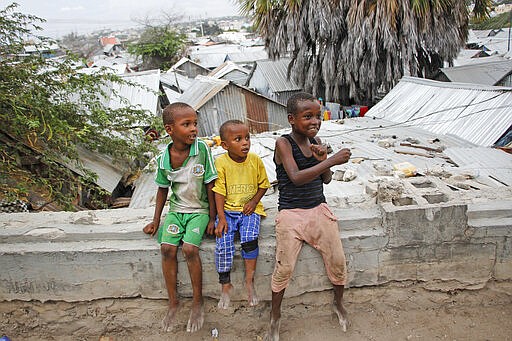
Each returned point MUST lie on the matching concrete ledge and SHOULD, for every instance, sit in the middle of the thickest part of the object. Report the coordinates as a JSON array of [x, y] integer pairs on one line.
[[98, 254]]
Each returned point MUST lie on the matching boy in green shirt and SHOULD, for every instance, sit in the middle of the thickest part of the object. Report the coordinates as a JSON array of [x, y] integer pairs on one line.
[[186, 167]]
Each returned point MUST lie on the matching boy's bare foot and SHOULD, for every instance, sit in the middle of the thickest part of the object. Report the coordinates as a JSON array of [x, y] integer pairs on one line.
[[169, 320], [273, 333], [251, 294], [196, 318], [225, 297], [341, 313]]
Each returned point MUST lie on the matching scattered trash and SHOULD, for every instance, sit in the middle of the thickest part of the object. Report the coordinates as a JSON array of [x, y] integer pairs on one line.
[[4, 338], [412, 140], [344, 175], [106, 338], [386, 143], [215, 334], [404, 169], [357, 160], [338, 175], [349, 175]]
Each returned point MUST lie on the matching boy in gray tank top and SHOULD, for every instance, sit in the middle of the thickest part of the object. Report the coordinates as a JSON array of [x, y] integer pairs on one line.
[[302, 168]]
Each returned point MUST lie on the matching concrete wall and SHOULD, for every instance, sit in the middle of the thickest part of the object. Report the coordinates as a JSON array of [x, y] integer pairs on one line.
[[97, 254]]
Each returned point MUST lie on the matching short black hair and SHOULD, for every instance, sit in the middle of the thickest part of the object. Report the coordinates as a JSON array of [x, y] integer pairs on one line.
[[226, 125], [292, 106], [170, 111]]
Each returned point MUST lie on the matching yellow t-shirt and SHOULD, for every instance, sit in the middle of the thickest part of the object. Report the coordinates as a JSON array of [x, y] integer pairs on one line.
[[239, 182]]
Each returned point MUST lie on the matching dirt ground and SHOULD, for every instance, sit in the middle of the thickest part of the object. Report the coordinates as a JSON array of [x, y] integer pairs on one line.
[[392, 312]]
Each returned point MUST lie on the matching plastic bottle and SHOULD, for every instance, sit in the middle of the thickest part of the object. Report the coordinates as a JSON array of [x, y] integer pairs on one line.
[[215, 334]]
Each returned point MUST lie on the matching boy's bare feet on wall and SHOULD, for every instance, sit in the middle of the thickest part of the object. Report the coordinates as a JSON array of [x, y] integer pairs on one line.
[[196, 319], [225, 296]]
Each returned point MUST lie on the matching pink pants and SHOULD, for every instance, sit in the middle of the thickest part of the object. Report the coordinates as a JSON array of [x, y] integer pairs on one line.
[[319, 228]]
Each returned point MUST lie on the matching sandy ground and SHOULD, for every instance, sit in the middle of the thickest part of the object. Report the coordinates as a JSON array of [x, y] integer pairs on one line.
[[392, 312]]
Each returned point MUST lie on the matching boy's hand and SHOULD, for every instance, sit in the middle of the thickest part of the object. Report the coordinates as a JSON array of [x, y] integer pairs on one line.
[[222, 227], [342, 156], [210, 228], [319, 151], [151, 228], [249, 207]]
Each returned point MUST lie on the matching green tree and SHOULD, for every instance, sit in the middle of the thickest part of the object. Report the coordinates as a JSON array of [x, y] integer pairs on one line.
[[349, 50], [159, 47], [160, 44], [47, 109]]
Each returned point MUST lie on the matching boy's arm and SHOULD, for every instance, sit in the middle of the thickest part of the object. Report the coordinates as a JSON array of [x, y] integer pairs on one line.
[[250, 206], [161, 197], [284, 155], [212, 207], [222, 225]]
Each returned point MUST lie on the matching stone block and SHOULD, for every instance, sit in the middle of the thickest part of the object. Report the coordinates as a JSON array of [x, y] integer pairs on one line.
[[463, 262], [363, 268], [429, 224]]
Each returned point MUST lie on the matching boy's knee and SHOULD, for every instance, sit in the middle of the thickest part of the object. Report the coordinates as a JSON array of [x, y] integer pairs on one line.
[[250, 250], [168, 251], [190, 251]]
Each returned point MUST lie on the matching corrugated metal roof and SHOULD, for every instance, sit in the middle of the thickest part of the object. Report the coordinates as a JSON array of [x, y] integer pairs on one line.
[[175, 79], [494, 44], [225, 68], [275, 72], [476, 113], [202, 90], [144, 98], [230, 71], [107, 48], [109, 174], [209, 60], [484, 162], [182, 61], [487, 73], [108, 67], [172, 95], [248, 55], [218, 48], [109, 40], [478, 60]]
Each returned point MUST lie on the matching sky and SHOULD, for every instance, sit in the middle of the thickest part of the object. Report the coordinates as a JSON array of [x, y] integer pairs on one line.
[[83, 16]]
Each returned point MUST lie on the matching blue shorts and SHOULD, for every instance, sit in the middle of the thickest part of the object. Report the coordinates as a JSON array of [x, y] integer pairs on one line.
[[249, 229]]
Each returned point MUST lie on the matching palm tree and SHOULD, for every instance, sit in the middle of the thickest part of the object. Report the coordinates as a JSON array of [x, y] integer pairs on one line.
[[351, 49]]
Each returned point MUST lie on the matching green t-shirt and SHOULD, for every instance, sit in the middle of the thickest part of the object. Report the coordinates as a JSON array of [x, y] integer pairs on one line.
[[187, 183]]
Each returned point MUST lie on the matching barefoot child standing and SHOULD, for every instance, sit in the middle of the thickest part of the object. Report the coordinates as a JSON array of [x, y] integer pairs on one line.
[[241, 184], [187, 168], [302, 168]]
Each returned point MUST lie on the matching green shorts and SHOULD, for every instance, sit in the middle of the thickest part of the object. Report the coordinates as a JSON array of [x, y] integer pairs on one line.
[[186, 227]]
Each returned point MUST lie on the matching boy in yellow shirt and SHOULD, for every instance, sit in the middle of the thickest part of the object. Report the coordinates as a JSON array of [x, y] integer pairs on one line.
[[242, 181]]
